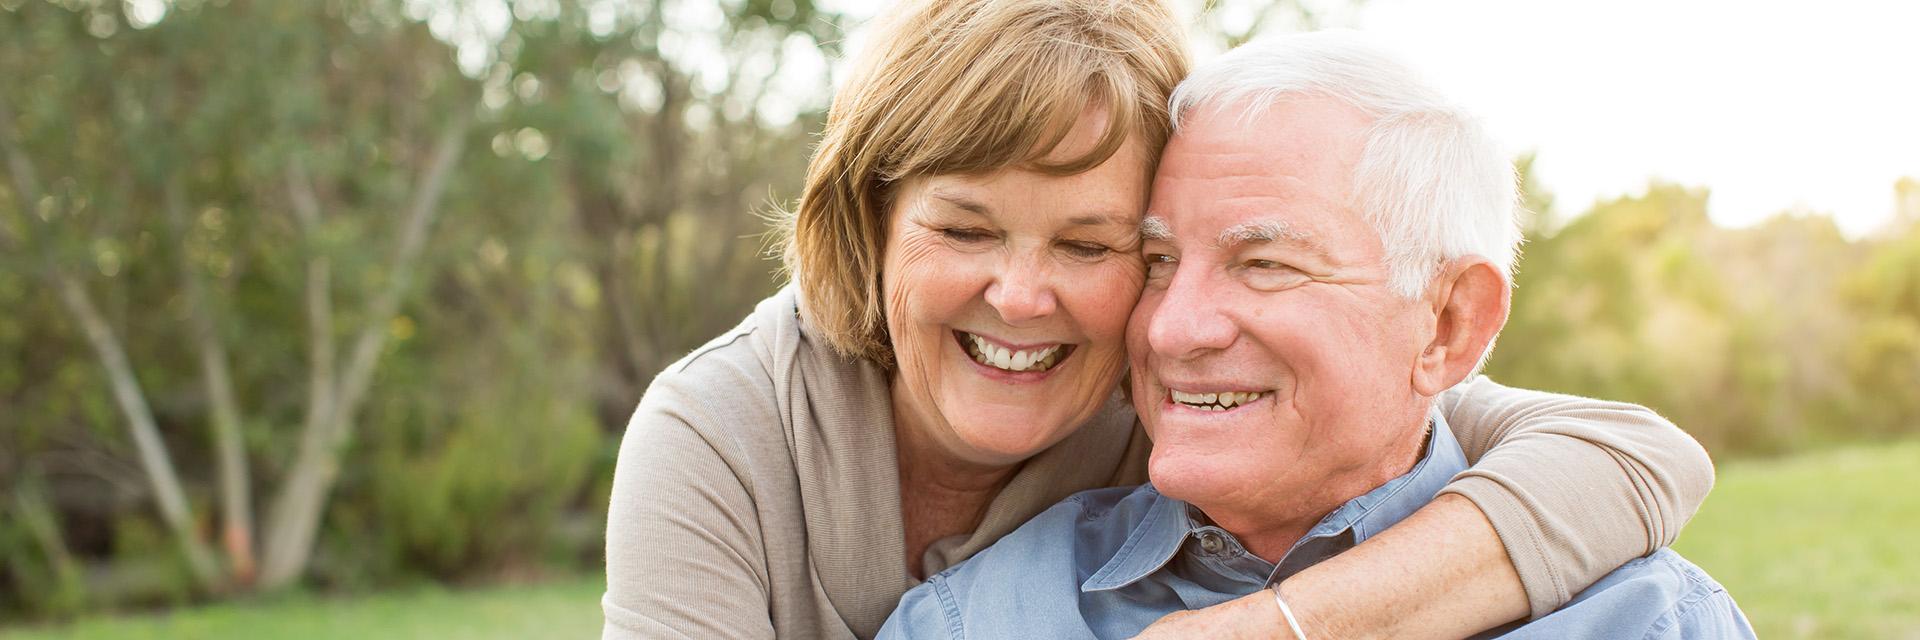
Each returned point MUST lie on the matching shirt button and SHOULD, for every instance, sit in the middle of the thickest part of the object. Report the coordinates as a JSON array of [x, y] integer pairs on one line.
[[1210, 542]]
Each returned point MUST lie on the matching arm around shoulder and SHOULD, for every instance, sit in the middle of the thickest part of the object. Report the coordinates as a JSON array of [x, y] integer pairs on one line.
[[684, 554], [1573, 486]]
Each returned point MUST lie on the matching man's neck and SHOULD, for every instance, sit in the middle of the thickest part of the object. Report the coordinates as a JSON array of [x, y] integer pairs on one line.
[[1271, 530]]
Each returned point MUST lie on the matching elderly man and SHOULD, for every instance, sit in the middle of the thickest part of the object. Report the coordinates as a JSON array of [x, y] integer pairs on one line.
[[1328, 248]]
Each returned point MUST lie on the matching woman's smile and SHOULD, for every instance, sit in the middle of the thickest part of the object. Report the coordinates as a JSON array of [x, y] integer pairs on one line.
[[1012, 362]]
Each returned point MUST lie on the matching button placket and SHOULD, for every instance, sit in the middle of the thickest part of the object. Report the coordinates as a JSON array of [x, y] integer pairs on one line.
[[1212, 543]]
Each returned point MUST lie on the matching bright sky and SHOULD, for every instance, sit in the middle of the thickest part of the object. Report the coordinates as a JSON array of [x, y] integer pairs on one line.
[[1772, 105]]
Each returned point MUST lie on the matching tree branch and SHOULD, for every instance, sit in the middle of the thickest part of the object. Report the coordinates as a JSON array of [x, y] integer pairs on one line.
[[319, 300], [236, 500], [20, 168], [146, 436], [296, 510], [413, 237], [154, 458]]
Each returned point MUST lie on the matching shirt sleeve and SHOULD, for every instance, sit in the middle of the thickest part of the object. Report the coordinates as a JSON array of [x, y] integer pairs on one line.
[[926, 612], [1575, 487], [684, 557]]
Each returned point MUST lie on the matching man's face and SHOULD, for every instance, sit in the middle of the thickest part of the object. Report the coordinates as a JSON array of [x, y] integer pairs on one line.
[[1272, 363]]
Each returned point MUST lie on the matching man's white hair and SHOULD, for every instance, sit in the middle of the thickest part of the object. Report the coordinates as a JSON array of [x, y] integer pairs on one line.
[[1431, 181]]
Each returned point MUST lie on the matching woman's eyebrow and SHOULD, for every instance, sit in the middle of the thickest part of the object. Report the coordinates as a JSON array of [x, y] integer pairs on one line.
[[1103, 219], [962, 201]]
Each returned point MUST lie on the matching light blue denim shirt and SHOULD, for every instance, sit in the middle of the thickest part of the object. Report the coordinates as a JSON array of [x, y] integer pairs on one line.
[[1106, 563]]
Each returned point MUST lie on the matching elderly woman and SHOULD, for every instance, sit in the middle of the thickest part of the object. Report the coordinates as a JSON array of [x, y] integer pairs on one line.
[[945, 366]]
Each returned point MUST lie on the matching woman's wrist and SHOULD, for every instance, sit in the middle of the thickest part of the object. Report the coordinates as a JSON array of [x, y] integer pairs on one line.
[[1308, 611], [1286, 612]]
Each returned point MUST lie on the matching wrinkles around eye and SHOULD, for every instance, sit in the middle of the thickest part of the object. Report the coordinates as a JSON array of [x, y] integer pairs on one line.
[[969, 236]]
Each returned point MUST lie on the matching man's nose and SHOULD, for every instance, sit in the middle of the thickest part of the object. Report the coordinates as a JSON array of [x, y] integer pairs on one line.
[[1187, 320], [1023, 290]]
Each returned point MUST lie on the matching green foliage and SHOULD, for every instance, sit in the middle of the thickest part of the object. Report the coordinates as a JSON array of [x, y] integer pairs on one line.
[[602, 222], [1755, 340]]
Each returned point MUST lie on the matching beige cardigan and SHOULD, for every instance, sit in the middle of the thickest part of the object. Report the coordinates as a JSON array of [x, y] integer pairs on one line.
[[757, 494]]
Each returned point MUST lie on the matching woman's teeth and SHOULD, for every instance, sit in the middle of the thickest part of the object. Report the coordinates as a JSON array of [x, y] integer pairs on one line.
[[1000, 357], [1217, 401]]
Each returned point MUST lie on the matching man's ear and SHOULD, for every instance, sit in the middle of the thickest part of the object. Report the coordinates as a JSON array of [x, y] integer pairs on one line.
[[1470, 302]]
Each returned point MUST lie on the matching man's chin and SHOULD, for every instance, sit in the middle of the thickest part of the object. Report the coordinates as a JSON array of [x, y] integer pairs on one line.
[[1186, 476]]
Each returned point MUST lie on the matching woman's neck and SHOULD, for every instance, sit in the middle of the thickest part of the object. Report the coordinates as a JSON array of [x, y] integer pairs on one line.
[[941, 494]]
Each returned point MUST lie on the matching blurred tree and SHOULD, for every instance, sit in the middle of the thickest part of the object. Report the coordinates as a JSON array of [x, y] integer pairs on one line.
[[214, 191], [668, 125], [163, 130], [1882, 358]]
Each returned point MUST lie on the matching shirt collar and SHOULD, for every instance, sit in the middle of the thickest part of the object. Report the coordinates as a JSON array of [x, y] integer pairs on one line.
[[1392, 502], [1159, 534]]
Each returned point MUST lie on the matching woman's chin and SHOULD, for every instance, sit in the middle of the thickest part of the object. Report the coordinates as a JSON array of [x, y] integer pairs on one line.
[[999, 442]]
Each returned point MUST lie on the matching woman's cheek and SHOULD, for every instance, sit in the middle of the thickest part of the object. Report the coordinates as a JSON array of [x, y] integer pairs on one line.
[[1107, 293], [917, 270]]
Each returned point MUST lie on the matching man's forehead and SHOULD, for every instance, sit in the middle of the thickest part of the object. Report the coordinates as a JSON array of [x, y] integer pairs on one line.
[[1264, 207]]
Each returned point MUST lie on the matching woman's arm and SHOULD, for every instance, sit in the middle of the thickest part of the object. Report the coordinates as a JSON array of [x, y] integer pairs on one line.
[[1564, 490], [1383, 588], [682, 538], [1574, 486]]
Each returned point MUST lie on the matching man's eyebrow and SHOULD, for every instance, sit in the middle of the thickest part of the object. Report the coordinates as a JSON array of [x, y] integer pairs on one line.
[[1265, 231], [1155, 228]]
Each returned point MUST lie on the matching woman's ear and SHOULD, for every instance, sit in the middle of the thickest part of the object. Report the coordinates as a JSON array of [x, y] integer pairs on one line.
[[1470, 303]]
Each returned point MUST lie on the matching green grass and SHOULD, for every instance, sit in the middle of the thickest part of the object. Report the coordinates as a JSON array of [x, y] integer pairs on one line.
[[1823, 545], [561, 610], [1820, 545]]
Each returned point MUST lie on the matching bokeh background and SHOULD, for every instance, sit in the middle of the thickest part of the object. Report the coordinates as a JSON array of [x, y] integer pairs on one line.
[[323, 318]]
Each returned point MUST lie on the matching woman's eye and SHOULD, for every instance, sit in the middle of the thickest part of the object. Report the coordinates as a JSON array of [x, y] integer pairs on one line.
[[1087, 250], [966, 235], [1160, 266]]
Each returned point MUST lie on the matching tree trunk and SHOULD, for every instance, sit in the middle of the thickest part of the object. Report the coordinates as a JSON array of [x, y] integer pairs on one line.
[[236, 499], [295, 518], [154, 458]]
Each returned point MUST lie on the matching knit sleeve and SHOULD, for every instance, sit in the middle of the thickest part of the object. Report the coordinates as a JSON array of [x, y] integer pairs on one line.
[[683, 545], [1574, 486]]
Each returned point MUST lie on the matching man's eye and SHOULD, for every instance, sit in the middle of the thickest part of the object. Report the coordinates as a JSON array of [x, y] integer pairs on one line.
[[1269, 274], [1160, 266], [1087, 250], [966, 235]]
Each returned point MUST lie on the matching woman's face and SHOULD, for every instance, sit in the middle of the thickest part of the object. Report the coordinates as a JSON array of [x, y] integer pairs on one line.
[[1007, 297]]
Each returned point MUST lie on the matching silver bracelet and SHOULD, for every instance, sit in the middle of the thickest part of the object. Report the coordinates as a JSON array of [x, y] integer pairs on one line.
[[1288, 613]]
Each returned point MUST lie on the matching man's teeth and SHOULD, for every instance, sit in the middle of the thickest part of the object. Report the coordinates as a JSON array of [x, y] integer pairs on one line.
[[999, 357], [1221, 401]]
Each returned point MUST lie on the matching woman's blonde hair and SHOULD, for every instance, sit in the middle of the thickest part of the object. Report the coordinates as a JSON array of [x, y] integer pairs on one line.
[[965, 87]]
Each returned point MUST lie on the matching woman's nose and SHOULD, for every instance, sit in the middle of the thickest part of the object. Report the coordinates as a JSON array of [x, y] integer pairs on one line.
[[1023, 292]]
